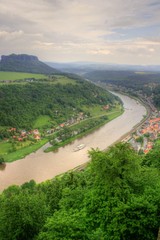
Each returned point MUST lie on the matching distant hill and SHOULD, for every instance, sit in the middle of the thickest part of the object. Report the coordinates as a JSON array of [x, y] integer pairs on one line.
[[128, 79], [123, 78], [25, 63], [85, 67]]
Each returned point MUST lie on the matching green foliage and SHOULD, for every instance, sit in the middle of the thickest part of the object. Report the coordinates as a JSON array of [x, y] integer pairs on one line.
[[153, 157], [22, 213], [21, 105], [65, 225], [148, 83], [117, 197], [53, 192], [140, 139], [42, 122], [11, 153], [19, 76], [1, 159], [115, 168], [128, 79]]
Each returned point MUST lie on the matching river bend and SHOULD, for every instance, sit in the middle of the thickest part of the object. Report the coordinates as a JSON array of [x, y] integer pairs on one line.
[[41, 166]]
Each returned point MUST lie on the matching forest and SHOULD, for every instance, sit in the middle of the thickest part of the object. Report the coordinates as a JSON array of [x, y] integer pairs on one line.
[[147, 83], [33, 110], [22, 104], [116, 197], [124, 77]]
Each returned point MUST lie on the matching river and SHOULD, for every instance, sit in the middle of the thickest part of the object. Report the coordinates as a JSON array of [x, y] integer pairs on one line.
[[41, 166]]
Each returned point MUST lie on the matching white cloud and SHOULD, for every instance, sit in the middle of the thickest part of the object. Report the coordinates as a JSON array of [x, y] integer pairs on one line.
[[100, 52], [11, 35]]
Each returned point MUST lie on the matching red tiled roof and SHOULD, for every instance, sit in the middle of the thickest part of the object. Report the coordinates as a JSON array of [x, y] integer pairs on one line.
[[154, 120]]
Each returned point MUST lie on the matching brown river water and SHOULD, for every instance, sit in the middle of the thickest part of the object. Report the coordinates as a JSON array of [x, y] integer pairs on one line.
[[41, 166]]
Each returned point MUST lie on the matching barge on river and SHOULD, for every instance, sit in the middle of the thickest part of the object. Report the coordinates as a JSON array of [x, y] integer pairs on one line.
[[79, 147]]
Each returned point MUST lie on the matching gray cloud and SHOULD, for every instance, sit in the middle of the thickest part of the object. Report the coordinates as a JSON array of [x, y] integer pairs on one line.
[[68, 30]]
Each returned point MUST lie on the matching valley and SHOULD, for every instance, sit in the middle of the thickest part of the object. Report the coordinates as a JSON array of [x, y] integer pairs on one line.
[[56, 108], [63, 130], [79, 120], [41, 166]]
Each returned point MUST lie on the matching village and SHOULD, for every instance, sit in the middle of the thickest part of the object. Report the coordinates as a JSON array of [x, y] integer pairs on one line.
[[143, 139], [145, 136], [35, 134], [23, 135], [18, 135]]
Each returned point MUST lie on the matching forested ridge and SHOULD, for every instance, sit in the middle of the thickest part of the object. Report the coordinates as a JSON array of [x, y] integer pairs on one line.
[[147, 83], [124, 78], [117, 197], [21, 104]]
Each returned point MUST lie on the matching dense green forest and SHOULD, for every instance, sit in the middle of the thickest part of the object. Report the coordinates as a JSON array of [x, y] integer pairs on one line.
[[117, 197], [21, 104], [48, 104]]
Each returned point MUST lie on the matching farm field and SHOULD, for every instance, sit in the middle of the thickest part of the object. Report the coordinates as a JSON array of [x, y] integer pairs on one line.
[[42, 122], [12, 76], [97, 110], [64, 80], [21, 152]]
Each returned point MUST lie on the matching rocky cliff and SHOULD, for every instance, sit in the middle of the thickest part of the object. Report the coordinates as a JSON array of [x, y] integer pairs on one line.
[[24, 63]]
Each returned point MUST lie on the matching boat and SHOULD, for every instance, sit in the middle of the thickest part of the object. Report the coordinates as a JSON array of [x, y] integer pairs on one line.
[[79, 147]]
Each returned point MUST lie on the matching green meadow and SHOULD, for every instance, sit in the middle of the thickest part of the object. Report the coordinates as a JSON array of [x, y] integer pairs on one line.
[[21, 152], [12, 76], [42, 122], [63, 80]]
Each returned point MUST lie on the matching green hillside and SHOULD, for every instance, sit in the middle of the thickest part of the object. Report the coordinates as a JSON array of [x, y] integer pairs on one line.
[[62, 107], [146, 83], [115, 198], [21, 105], [138, 81]]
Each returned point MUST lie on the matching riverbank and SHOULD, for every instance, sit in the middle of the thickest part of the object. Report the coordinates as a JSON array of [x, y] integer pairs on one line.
[[110, 117], [41, 166], [138, 125], [22, 152]]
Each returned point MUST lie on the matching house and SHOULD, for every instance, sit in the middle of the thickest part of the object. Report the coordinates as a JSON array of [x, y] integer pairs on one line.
[[146, 151], [12, 129], [23, 133], [154, 120], [20, 139], [106, 107], [37, 137], [35, 132]]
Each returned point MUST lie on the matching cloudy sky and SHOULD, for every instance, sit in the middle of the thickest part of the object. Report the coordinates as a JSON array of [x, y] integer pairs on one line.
[[111, 31]]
